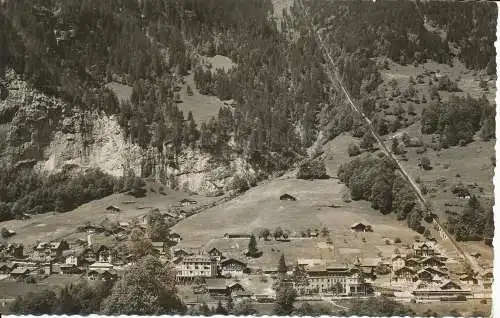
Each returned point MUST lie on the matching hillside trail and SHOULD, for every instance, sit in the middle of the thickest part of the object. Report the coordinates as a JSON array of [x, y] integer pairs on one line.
[[336, 81]]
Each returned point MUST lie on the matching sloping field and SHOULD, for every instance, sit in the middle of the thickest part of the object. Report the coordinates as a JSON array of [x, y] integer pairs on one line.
[[260, 207], [52, 226], [203, 107]]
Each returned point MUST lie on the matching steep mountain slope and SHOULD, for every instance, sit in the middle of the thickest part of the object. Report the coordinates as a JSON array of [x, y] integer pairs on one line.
[[62, 66]]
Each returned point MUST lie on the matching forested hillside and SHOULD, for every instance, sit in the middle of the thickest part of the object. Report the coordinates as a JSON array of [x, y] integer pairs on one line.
[[283, 100]]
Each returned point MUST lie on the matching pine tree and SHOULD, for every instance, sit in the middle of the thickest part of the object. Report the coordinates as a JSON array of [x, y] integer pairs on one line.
[[252, 247], [282, 269]]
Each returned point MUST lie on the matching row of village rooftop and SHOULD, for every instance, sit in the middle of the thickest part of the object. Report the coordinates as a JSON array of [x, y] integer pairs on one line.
[[423, 271]]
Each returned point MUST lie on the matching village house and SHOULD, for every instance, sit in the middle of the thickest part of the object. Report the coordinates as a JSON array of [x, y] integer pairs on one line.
[[20, 273], [53, 249], [180, 252], [487, 277], [160, 247], [216, 287], [102, 274], [436, 272], [403, 276], [196, 266], [46, 268], [15, 250], [412, 262], [233, 268], [360, 227], [468, 279], [398, 261], [424, 275], [73, 257], [103, 254], [424, 249], [70, 269], [431, 262], [187, 202], [447, 289], [89, 255], [175, 237], [215, 254], [220, 287], [325, 279]]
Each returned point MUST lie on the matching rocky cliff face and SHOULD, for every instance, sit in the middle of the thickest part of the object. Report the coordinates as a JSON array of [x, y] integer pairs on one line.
[[50, 134]]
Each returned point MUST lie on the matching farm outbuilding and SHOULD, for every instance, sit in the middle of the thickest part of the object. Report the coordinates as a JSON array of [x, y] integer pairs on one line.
[[361, 227], [113, 208], [287, 197]]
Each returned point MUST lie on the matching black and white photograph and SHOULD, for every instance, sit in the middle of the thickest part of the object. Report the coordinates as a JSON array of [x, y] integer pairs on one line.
[[247, 157]]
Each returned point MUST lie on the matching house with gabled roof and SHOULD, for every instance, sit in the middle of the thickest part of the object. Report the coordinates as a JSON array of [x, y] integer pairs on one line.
[[216, 254], [431, 261], [20, 272], [403, 275], [468, 279], [70, 269], [102, 274], [217, 286], [446, 289], [436, 272], [361, 227], [175, 237], [398, 261], [233, 268], [180, 252], [73, 257], [412, 262], [424, 248], [424, 275]]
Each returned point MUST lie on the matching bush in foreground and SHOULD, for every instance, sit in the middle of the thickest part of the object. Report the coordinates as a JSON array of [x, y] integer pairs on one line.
[[314, 169]]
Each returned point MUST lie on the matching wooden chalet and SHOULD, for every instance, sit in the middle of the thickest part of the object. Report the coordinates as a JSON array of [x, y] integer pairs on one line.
[[102, 274], [431, 262], [403, 275], [446, 290], [180, 252], [216, 254], [233, 268], [175, 237], [70, 269], [424, 249], [20, 272]]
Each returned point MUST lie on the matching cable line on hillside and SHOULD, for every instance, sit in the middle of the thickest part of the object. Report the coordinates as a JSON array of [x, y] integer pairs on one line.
[[335, 79]]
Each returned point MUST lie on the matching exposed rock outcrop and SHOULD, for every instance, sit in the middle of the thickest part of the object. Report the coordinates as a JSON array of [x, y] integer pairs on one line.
[[53, 134]]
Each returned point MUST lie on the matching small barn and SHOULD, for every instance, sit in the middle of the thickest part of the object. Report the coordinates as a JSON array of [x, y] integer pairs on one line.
[[287, 197], [361, 227], [113, 208]]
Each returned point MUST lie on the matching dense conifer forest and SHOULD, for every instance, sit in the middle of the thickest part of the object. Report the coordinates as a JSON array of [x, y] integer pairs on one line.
[[71, 49]]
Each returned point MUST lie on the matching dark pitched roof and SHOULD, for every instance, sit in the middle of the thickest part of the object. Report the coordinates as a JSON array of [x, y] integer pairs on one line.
[[216, 283], [233, 260]]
